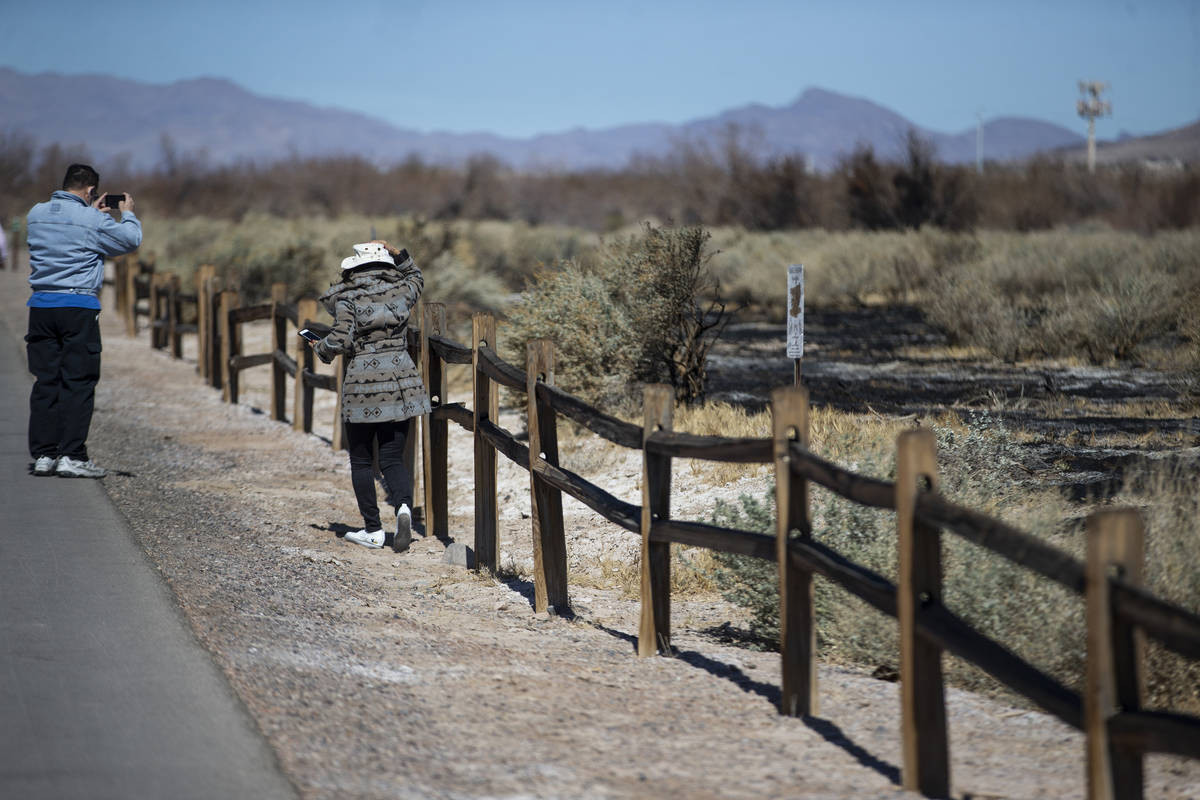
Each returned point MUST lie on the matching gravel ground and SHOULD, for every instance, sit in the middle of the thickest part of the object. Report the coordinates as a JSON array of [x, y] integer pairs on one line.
[[374, 674]]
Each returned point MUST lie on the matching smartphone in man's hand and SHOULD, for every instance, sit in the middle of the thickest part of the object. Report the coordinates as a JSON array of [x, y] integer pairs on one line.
[[309, 335], [113, 199]]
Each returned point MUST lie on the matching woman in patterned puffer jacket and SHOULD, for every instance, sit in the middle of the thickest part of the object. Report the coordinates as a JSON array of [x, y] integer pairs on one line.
[[383, 391]]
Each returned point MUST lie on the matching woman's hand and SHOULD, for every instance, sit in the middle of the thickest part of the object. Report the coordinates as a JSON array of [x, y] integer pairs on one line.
[[393, 251]]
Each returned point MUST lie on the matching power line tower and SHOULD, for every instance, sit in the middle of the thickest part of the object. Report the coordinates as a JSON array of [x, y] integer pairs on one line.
[[1089, 107]]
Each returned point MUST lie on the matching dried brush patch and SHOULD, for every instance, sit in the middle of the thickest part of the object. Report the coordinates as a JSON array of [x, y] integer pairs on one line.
[[980, 467]]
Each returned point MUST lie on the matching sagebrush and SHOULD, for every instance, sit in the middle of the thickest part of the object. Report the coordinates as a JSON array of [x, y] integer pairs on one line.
[[979, 463]]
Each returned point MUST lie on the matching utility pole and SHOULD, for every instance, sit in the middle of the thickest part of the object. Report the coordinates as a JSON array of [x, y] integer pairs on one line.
[[1089, 107], [979, 142]]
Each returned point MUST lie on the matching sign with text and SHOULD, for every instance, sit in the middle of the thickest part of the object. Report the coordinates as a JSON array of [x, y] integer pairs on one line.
[[795, 314]]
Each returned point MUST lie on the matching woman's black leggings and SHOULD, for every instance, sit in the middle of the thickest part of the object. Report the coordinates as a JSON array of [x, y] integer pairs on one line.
[[391, 437]]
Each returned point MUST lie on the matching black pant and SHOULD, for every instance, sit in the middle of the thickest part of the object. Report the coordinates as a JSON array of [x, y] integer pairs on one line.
[[63, 347], [397, 480]]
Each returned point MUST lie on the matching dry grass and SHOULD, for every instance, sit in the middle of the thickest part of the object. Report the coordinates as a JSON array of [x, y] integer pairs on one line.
[[979, 463], [1090, 294]]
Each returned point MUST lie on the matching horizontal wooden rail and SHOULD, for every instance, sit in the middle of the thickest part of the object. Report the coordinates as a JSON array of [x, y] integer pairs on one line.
[[500, 370], [1156, 732], [251, 313], [850, 485], [1177, 629], [286, 362], [724, 540], [938, 624], [609, 427], [504, 441], [712, 448], [450, 351], [861, 582], [455, 412], [1015, 545], [612, 508], [240, 363], [1005, 540], [319, 381]]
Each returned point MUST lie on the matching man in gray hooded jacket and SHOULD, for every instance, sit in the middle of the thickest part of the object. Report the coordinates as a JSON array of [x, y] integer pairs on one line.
[[69, 236]]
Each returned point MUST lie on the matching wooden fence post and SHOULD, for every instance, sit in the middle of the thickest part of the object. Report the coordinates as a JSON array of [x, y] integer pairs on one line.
[[919, 583], [15, 250], [302, 397], [131, 294], [216, 374], [654, 632], [435, 432], [229, 346], [205, 275], [120, 285], [279, 322], [413, 440], [338, 440], [549, 537], [173, 314], [155, 330], [797, 625], [1115, 538], [486, 407]]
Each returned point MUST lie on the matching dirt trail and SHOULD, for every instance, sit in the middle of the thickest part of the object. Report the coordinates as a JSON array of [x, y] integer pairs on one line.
[[381, 675]]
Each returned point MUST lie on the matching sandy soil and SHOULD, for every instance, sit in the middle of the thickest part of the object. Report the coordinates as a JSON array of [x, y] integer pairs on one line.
[[374, 674]]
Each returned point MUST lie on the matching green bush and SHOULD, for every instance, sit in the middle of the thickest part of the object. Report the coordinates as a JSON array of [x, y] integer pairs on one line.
[[639, 314]]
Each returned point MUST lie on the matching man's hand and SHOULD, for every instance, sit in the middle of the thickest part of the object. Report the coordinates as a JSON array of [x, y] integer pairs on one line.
[[127, 203]]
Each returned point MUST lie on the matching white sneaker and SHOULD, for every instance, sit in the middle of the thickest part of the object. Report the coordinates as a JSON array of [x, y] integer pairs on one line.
[[44, 465], [403, 529], [70, 468], [372, 539]]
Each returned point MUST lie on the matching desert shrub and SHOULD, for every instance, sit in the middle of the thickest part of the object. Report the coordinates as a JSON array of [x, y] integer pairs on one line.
[[857, 269], [979, 463], [1168, 497], [673, 303], [1097, 295], [1189, 329], [579, 310], [639, 314]]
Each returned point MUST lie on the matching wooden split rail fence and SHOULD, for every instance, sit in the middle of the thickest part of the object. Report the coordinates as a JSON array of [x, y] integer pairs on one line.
[[1120, 613]]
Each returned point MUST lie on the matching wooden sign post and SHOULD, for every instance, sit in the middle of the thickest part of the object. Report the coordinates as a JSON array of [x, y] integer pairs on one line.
[[795, 318]]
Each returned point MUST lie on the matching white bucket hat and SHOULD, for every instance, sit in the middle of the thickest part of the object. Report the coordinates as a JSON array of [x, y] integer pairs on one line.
[[368, 253]]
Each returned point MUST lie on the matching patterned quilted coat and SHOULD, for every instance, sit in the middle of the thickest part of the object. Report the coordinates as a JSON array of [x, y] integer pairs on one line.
[[370, 309]]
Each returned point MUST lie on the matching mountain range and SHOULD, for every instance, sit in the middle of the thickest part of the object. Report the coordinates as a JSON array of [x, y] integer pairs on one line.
[[218, 122]]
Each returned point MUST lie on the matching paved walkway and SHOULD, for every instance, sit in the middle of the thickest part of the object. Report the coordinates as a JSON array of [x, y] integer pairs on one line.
[[104, 691]]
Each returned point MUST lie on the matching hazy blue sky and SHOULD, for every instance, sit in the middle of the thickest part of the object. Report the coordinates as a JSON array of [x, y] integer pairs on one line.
[[519, 68]]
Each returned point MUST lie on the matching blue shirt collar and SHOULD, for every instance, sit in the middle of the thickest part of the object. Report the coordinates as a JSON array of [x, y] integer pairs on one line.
[[63, 194]]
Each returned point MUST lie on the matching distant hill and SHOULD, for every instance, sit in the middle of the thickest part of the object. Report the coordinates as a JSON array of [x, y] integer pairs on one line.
[[223, 123]]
